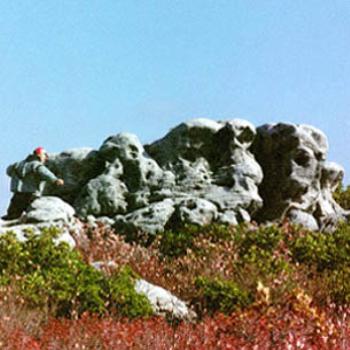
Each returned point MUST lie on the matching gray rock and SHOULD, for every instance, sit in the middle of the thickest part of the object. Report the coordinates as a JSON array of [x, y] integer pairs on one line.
[[196, 211], [297, 181], [202, 171], [211, 161], [151, 219], [139, 169], [328, 212], [49, 209], [102, 196], [229, 217], [189, 141], [19, 230], [163, 302], [303, 218], [76, 167]]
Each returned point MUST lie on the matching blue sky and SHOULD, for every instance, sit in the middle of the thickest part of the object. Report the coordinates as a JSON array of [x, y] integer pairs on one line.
[[73, 73]]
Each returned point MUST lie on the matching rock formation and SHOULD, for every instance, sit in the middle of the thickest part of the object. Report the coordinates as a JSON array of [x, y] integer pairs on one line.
[[298, 181], [202, 171]]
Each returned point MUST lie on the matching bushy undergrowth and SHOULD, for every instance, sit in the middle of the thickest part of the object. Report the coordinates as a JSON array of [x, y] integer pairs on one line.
[[277, 284], [342, 196], [220, 295], [54, 276]]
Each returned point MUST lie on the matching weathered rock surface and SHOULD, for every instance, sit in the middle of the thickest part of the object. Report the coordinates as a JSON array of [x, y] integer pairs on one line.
[[49, 209], [298, 182], [76, 167], [216, 176], [151, 219], [202, 171]]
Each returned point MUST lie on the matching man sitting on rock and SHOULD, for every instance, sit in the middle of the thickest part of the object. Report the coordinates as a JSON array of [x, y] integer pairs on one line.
[[27, 182]]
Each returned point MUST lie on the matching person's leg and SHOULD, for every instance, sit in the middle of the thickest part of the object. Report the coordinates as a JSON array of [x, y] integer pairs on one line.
[[19, 203]]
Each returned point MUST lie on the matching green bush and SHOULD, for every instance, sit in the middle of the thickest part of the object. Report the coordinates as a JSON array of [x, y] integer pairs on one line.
[[265, 238], [123, 297], [176, 243], [324, 250], [342, 196], [218, 295], [329, 255], [53, 275], [258, 250]]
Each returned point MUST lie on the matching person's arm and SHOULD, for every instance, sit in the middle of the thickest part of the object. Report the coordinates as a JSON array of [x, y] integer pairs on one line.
[[46, 174]]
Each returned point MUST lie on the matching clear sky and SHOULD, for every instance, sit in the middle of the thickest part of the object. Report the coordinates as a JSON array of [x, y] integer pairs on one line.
[[73, 73]]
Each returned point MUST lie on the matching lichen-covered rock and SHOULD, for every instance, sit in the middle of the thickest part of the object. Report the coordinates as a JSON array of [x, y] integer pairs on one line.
[[139, 170], [162, 301], [300, 217], [298, 183], [190, 140], [195, 211], [328, 212], [204, 167]]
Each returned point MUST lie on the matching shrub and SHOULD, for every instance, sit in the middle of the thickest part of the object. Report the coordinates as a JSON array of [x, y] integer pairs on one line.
[[325, 250], [176, 243], [342, 196], [265, 238], [262, 250], [47, 274], [123, 296], [218, 295]]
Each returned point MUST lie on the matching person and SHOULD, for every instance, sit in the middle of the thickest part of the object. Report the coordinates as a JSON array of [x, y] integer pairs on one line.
[[28, 178]]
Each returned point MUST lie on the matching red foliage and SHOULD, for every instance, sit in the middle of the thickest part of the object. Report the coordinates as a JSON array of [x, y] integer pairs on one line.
[[283, 316], [297, 325]]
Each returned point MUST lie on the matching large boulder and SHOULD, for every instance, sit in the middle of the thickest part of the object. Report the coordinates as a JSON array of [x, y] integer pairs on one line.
[[216, 176], [105, 195], [20, 229], [49, 209], [151, 219], [76, 167], [163, 302], [298, 182]]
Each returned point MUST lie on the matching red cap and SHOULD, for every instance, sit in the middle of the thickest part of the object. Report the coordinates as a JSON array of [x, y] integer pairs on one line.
[[39, 150]]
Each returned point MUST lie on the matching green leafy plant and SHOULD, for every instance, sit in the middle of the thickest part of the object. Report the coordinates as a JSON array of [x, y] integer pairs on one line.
[[175, 243], [325, 250], [218, 295], [53, 275], [123, 296], [342, 196]]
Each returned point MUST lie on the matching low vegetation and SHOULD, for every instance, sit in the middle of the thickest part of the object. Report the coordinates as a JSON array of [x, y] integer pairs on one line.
[[253, 287]]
